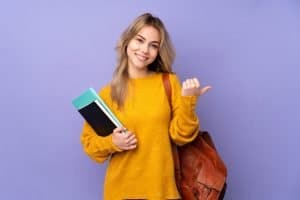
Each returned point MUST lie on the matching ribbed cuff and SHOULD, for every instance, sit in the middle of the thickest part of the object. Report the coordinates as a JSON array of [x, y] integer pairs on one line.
[[114, 148]]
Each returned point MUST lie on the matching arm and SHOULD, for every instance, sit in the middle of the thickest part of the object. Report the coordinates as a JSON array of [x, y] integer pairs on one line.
[[185, 123], [96, 147], [100, 148]]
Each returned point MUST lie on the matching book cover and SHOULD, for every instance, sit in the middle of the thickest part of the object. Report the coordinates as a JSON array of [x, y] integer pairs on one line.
[[94, 110]]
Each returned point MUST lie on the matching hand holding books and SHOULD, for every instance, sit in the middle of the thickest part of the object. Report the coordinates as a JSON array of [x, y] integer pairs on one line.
[[123, 141], [98, 115]]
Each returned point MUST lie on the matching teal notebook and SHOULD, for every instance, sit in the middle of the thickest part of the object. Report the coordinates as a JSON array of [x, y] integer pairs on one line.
[[94, 110]]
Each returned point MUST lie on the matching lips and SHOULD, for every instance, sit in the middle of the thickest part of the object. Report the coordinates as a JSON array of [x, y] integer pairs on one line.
[[141, 57]]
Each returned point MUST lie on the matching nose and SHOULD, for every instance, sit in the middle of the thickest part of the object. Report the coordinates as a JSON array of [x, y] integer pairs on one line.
[[144, 48]]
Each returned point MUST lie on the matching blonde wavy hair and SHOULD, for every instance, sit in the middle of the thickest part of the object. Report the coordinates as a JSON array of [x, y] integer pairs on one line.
[[162, 63]]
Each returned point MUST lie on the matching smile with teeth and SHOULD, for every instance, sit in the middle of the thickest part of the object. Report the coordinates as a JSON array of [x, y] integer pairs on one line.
[[141, 57]]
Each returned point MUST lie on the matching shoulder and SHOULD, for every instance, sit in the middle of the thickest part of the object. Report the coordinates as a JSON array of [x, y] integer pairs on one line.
[[105, 91], [173, 75], [174, 79]]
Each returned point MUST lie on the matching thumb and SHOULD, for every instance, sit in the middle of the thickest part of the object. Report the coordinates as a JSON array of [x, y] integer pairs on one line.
[[205, 89], [119, 129]]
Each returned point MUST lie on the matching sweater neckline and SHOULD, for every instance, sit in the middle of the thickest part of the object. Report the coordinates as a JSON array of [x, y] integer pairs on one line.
[[149, 77]]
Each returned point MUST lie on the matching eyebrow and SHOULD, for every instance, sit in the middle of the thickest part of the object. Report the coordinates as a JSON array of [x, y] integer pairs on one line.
[[145, 39]]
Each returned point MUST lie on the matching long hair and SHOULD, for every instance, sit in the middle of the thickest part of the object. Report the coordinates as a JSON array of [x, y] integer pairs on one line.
[[162, 63]]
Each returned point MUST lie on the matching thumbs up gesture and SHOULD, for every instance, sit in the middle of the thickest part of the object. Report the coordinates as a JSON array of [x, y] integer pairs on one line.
[[192, 87]]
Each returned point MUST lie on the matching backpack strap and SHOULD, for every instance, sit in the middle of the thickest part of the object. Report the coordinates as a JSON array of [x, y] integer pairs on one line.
[[177, 171], [168, 89]]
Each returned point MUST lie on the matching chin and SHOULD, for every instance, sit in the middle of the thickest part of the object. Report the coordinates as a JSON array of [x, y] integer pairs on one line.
[[140, 65]]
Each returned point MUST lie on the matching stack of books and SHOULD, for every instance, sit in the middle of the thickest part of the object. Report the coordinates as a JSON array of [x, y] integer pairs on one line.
[[97, 114]]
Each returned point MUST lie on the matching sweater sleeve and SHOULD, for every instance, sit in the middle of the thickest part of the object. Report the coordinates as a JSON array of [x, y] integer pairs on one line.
[[97, 147], [184, 125]]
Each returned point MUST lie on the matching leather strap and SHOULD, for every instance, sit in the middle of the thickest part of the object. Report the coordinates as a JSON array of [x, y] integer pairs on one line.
[[168, 89], [177, 171]]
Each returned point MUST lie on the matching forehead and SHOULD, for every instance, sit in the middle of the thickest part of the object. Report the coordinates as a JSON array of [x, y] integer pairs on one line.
[[149, 33]]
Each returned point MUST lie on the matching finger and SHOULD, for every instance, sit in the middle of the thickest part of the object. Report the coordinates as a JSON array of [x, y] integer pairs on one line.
[[132, 147], [129, 139], [132, 136], [125, 137], [190, 83], [184, 85], [132, 141], [129, 147], [129, 132], [196, 82]]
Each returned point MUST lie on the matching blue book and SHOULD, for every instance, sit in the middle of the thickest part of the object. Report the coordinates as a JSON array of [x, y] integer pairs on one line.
[[97, 114]]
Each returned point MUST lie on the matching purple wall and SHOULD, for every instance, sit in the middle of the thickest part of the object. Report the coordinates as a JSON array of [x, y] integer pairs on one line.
[[50, 51]]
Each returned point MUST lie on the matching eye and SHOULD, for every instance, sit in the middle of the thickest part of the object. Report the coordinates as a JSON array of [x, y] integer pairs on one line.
[[154, 46], [139, 40]]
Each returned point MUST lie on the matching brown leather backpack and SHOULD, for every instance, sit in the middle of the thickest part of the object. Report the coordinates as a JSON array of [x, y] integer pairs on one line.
[[199, 170]]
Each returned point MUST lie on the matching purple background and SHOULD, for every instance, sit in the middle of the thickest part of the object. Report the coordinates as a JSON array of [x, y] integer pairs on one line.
[[50, 51]]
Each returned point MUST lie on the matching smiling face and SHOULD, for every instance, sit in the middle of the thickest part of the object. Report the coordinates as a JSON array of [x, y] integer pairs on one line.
[[142, 50]]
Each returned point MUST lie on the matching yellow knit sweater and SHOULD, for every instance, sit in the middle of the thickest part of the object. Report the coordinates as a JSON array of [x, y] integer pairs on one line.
[[147, 171]]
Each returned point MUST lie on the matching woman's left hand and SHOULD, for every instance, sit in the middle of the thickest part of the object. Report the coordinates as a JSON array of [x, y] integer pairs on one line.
[[192, 87]]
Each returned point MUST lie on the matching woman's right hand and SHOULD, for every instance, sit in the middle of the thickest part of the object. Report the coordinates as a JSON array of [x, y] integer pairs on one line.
[[124, 139]]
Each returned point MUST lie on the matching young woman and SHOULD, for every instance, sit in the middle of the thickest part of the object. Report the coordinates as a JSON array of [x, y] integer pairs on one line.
[[140, 161]]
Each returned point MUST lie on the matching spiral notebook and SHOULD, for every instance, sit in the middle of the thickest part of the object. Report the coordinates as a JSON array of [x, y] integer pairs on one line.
[[97, 114]]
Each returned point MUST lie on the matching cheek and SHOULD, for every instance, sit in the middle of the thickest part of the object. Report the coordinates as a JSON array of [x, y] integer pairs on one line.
[[129, 50], [132, 46], [154, 54]]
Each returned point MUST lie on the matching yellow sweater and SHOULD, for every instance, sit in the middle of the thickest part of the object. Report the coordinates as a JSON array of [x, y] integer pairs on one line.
[[147, 171]]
